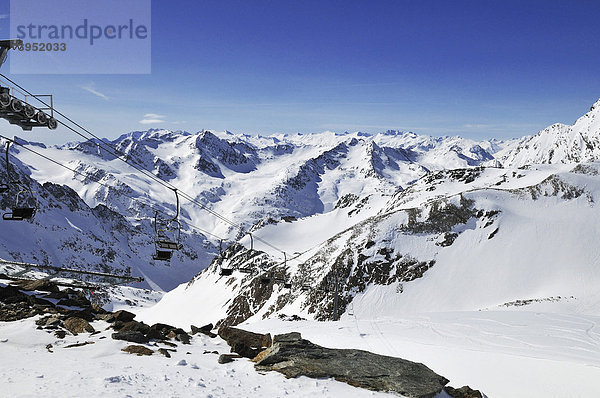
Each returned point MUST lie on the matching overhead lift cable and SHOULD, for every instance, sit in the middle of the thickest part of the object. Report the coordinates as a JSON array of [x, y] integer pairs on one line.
[[95, 179], [123, 157]]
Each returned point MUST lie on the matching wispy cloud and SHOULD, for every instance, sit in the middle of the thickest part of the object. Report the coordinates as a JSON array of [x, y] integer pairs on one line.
[[90, 89], [153, 118], [477, 126]]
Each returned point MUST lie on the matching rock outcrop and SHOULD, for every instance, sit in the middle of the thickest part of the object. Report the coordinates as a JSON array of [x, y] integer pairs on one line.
[[294, 356]]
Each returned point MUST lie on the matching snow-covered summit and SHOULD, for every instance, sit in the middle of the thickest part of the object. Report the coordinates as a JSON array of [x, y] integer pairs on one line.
[[559, 143]]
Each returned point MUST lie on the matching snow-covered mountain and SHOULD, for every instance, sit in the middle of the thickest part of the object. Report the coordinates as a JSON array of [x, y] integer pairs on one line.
[[312, 189], [558, 143], [436, 247], [251, 180], [459, 240]]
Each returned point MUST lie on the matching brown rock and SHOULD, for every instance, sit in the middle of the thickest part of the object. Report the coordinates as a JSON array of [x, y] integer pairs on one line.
[[260, 356], [138, 349], [77, 325], [247, 344], [60, 334], [463, 392]]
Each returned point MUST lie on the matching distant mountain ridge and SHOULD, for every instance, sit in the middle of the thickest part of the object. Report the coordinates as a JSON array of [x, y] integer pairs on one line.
[[256, 181]]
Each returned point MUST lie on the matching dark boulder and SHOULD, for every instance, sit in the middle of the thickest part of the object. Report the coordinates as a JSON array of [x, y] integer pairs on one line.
[[183, 337], [134, 326], [132, 336], [121, 315], [463, 392], [85, 313], [77, 325], [226, 358], [61, 294], [206, 329], [294, 356], [247, 344], [11, 292], [160, 331]]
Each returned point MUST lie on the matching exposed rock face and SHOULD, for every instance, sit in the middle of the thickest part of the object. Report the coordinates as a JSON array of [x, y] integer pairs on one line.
[[294, 356], [247, 344]]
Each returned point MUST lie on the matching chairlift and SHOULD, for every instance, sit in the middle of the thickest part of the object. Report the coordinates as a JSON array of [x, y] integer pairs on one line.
[[286, 285], [22, 209], [224, 271], [168, 235], [17, 110]]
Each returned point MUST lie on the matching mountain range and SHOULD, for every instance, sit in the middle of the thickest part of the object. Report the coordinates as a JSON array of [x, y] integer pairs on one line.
[[399, 222]]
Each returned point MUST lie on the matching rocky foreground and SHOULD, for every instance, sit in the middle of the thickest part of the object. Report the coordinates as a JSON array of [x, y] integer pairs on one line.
[[294, 356], [69, 312]]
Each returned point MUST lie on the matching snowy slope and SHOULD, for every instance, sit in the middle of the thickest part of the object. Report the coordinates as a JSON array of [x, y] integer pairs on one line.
[[66, 232], [251, 180], [558, 143]]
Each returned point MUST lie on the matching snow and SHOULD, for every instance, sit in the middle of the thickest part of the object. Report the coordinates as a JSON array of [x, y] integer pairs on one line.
[[101, 369], [504, 354], [511, 307]]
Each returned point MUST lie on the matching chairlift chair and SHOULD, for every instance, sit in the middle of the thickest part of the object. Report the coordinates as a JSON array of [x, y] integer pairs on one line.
[[223, 271], [22, 210], [286, 285], [168, 235]]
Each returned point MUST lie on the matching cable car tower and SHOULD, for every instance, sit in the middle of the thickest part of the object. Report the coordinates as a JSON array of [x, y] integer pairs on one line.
[[18, 110]]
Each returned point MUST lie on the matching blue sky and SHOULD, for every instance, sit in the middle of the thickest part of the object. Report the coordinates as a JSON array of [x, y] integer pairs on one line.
[[479, 69]]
